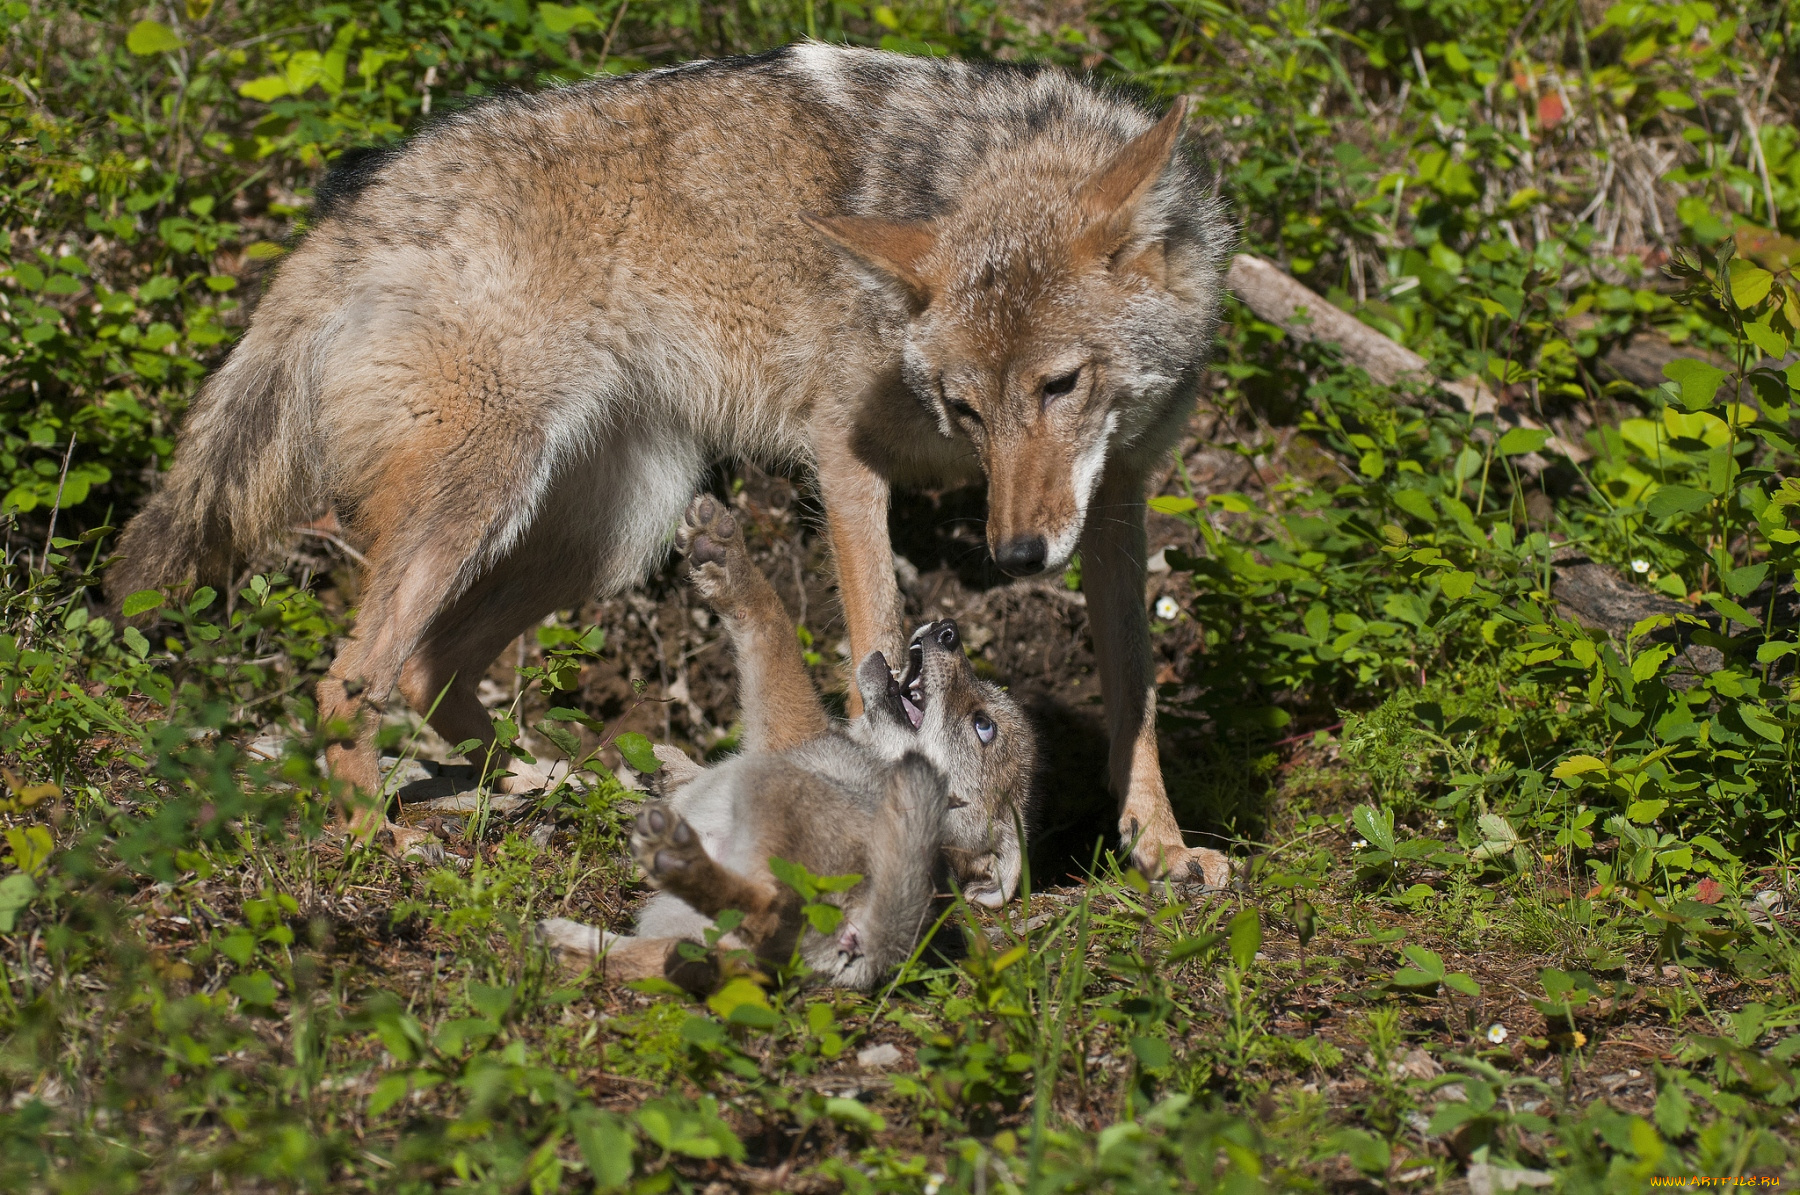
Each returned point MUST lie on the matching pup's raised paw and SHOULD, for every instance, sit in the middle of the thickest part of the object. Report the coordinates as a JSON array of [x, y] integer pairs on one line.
[[714, 544], [664, 845]]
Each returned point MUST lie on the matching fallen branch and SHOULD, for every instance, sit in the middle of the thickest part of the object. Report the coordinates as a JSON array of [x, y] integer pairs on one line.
[[1306, 316]]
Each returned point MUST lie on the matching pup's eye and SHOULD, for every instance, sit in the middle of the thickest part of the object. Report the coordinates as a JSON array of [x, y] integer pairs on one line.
[[1062, 385], [984, 728], [963, 410]]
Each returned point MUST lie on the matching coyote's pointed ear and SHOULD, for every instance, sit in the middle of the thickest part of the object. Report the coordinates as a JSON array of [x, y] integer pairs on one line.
[[1112, 196], [896, 248]]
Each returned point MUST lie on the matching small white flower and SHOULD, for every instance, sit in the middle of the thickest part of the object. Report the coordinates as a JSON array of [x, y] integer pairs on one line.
[[1167, 609], [1360, 843], [1496, 1033], [933, 1183], [1640, 565], [1442, 824]]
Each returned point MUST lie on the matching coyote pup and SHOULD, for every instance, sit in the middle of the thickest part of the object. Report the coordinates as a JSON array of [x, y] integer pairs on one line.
[[509, 348], [936, 769]]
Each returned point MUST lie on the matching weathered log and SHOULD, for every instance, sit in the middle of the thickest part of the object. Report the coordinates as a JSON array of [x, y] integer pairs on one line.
[[1599, 597]]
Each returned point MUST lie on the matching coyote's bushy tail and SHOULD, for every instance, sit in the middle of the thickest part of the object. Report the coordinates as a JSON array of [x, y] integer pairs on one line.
[[246, 469], [903, 857]]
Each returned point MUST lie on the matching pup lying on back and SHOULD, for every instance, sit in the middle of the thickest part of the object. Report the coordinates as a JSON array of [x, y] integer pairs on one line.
[[935, 772]]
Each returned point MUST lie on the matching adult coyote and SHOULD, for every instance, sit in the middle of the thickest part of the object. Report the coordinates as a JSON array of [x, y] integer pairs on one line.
[[509, 348]]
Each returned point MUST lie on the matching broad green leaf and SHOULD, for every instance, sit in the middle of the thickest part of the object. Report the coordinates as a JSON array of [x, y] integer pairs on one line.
[[255, 988], [561, 18], [1153, 1054], [1377, 826], [1427, 961], [1235, 504], [736, 993], [1759, 720], [30, 849], [1245, 934], [266, 89], [1463, 983], [491, 1001], [794, 876], [854, 1112], [1771, 342], [1415, 503], [1677, 499], [141, 601], [1645, 812], [1172, 504], [1456, 584], [1648, 662], [822, 917], [1743, 581], [151, 37], [637, 752], [453, 1036], [1575, 765], [1699, 381], [606, 1146], [697, 1134], [1521, 440], [1750, 283], [1367, 1152], [565, 741], [390, 1091], [1495, 828], [17, 891]]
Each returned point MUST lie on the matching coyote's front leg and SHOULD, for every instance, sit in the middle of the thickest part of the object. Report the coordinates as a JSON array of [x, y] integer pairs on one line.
[[1112, 553], [675, 860], [856, 504], [781, 707]]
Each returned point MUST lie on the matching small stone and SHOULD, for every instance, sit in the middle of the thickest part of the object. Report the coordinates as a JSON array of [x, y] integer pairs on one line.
[[878, 1058]]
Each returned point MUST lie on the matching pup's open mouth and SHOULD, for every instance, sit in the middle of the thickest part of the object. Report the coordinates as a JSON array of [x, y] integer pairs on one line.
[[909, 690]]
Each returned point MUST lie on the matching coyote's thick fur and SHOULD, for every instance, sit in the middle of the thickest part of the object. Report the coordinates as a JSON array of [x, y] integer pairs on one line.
[[933, 773], [509, 348]]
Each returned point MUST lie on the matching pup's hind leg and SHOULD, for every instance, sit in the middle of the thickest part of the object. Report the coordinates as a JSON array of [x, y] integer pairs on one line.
[[622, 957], [780, 706], [675, 860]]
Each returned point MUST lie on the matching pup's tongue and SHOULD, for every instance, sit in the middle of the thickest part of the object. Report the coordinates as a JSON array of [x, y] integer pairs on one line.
[[914, 714]]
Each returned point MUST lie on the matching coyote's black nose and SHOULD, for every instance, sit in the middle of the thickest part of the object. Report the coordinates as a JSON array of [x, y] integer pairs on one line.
[[946, 635], [1022, 555]]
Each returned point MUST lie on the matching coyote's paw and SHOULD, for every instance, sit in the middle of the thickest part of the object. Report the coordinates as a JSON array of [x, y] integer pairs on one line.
[[714, 543], [1202, 869], [664, 845]]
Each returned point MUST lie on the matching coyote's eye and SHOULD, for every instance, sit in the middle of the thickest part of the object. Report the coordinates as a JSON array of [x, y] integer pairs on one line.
[[1062, 384], [984, 728], [963, 410]]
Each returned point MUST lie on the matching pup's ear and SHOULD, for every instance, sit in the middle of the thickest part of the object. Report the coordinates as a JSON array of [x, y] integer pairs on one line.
[[895, 248], [1111, 198]]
